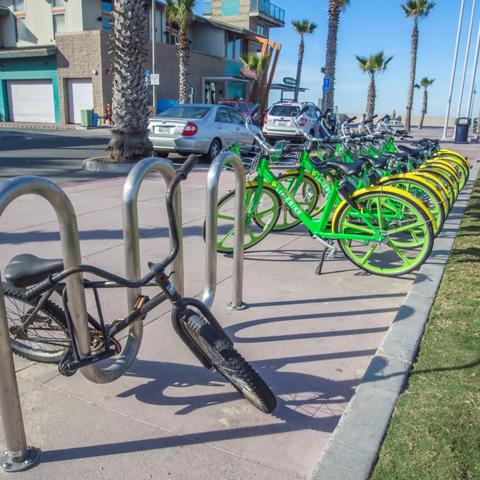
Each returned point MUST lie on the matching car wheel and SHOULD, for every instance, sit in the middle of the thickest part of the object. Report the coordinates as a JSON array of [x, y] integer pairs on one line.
[[214, 150]]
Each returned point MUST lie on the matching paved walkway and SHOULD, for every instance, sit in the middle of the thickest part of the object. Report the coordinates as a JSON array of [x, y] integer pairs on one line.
[[310, 337]]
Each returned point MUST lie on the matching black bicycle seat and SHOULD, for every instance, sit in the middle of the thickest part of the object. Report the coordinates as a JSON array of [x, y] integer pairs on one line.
[[413, 152], [347, 168], [25, 270], [380, 162]]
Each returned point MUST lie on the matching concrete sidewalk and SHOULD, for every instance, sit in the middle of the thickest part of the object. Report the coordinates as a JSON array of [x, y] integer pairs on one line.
[[310, 337]]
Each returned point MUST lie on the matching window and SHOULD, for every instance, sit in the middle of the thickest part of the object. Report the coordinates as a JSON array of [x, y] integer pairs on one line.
[[19, 5], [284, 111], [223, 116], [21, 30], [107, 15], [58, 3], [58, 24], [236, 118], [185, 111], [234, 47], [261, 29], [230, 7]]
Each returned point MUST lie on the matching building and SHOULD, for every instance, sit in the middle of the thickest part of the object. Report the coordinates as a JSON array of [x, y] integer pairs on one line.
[[54, 54]]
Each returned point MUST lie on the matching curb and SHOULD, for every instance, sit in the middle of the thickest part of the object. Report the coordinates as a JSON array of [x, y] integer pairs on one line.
[[98, 164], [352, 450]]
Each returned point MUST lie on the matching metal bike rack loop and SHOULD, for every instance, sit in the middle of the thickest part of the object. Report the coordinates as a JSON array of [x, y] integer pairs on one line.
[[211, 228], [68, 228], [17, 456], [130, 224]]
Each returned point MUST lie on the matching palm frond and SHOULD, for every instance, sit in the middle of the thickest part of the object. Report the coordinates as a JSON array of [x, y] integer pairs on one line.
[[180, 12], [417, 8]]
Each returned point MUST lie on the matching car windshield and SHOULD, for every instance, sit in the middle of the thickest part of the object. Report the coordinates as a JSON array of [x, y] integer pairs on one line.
[[284, 111], [185, 111]]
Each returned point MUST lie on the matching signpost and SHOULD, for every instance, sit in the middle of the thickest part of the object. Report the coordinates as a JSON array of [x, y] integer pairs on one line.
[[155, 79], [327, 85]]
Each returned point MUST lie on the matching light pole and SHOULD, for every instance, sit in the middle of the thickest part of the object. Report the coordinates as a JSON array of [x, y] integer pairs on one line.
[[465, 62], [454, 68], [154, 87], [474, 73]]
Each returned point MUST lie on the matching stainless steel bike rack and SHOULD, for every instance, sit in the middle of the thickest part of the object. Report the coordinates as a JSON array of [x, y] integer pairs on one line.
[[130, 224], [211, 228]]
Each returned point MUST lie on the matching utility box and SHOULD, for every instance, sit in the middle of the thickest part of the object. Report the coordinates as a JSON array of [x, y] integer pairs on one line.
[[462, 126], [86, 118]]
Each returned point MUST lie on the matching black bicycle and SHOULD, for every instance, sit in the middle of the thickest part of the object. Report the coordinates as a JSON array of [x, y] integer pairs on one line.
[[42, 331]]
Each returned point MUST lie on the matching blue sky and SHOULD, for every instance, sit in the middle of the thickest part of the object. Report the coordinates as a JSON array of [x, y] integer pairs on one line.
[[368, 26]]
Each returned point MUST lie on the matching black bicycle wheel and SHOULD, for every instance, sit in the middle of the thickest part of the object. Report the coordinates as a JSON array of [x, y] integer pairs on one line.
[[229, 363], [45, 339]]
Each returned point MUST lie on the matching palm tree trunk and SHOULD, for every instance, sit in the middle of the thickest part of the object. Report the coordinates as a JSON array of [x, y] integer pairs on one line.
[[411, 83], [371, 97], [183, 51], [129, 142], [301, 51], [424, 108], [331, 54]]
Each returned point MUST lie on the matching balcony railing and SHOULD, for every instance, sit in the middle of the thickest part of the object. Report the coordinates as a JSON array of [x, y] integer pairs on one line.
[[207, 7], [269, 9]]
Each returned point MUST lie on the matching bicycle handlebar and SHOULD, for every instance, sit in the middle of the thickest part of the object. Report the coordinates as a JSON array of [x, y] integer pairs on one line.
[[188, 166]]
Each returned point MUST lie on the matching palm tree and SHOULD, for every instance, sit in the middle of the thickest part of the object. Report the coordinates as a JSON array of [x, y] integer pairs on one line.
[[254, 67], [415, 9], [181, 13], [335, 8], [129, 142], [373, 65], [425, 83], [302, 27]]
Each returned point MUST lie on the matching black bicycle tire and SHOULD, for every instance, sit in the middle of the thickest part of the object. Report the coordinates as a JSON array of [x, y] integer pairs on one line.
[[50, 308], [222, 346]]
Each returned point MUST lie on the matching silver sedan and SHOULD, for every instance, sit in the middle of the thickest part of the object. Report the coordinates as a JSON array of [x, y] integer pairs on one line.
[[197, 128]]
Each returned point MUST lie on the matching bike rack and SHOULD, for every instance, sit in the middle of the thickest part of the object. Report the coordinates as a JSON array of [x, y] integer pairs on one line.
[[211, 229], [130, 223]]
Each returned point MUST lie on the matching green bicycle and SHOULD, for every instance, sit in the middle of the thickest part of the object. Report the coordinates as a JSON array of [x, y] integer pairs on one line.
[[382, 230]]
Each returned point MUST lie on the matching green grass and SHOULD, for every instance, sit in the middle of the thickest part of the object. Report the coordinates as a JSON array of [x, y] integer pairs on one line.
[[434, 433]]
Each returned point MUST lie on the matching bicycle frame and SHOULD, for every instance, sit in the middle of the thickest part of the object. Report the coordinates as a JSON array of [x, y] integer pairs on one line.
[[316, 227]]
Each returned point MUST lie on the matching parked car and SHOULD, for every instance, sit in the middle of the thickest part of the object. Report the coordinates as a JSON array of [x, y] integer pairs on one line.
[[278, 123], [241, 106], [197, 128]]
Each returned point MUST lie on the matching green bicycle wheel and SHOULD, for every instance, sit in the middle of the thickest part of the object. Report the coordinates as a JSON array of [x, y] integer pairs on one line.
[[408, 241], [426, 194], [261, 214], [440, 184], [458, 165], [306, 193], [446, 177]]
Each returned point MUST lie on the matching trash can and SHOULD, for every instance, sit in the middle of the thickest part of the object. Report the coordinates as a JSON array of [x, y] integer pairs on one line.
[[86, 118], [462, 126]]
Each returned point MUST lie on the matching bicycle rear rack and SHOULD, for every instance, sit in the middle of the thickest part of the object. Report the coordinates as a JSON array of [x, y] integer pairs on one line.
[[211, 228]]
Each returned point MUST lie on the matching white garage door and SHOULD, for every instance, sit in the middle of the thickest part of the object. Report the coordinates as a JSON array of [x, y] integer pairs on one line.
[[31, 101], [80, 97]]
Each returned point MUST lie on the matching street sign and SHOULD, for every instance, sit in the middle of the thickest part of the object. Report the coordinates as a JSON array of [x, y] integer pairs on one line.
[[147, 73], [326, 84], [290, 81], [155, 79]]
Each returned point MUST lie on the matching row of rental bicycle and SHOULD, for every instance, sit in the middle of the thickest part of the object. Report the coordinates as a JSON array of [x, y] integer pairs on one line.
[[363, 189]]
